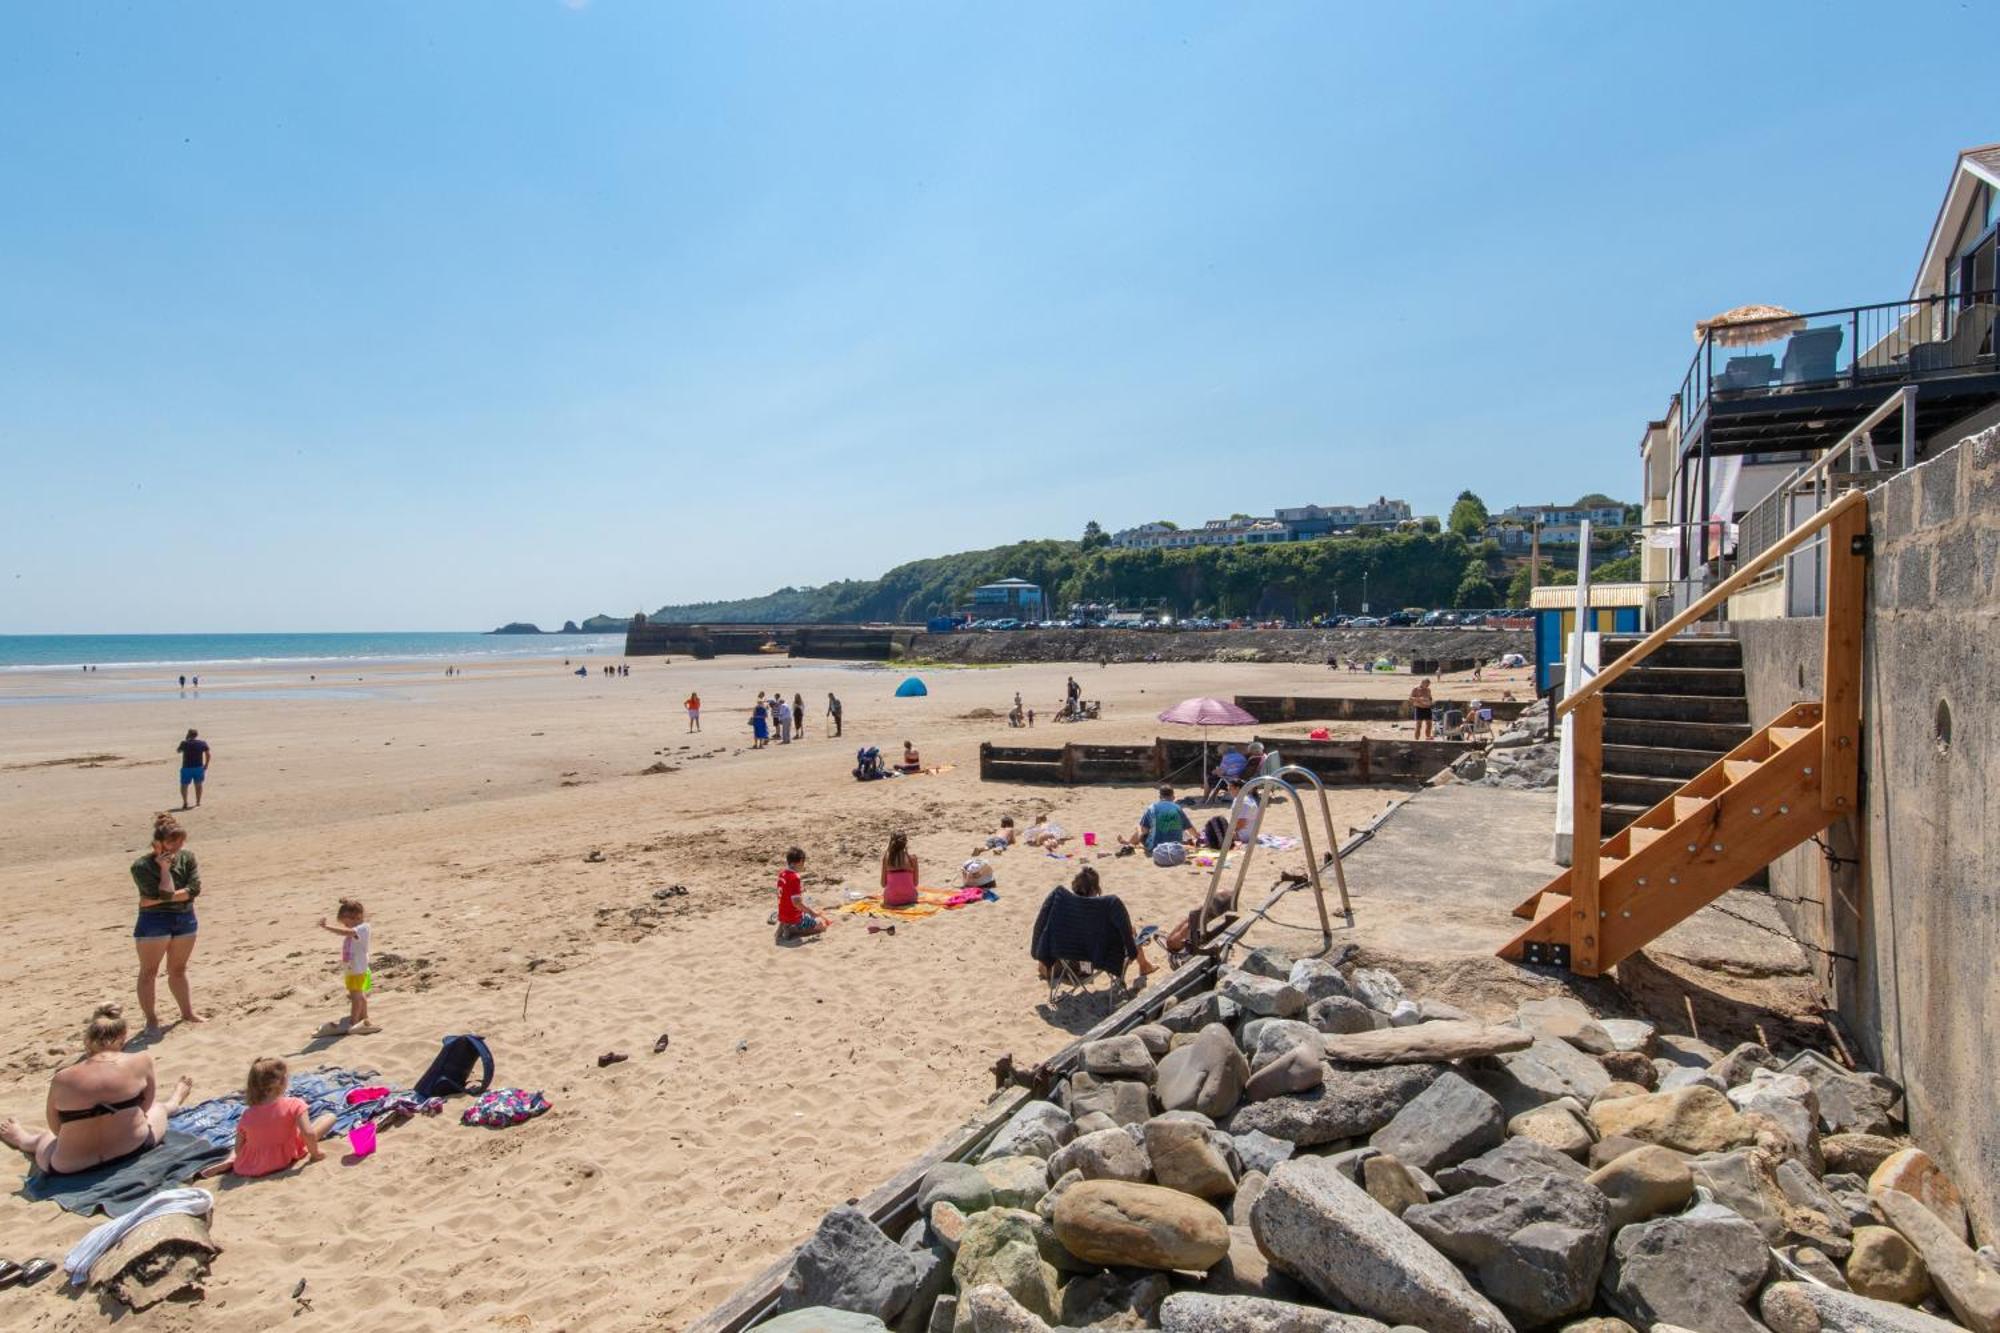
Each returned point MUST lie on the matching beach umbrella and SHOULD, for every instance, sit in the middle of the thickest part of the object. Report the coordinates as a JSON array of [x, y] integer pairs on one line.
[[1748, 325], [1206, 713]]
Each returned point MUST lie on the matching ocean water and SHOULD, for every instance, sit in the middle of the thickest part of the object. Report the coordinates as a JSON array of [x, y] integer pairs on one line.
[[190, 652]]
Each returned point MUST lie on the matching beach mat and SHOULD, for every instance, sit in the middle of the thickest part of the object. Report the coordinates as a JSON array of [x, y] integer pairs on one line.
[[116, 1188], [324, 1091], [929, 903]]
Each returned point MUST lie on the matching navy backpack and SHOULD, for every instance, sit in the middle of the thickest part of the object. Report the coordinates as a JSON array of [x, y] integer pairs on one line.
[[450, 1071]]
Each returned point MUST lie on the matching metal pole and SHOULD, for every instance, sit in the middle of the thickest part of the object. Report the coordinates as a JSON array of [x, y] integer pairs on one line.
[[1566, 830], [1332, 839], [1910, 426]]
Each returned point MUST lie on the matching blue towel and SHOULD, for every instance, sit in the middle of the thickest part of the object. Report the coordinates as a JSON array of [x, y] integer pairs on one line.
[[119, 1187], [323, 1090]]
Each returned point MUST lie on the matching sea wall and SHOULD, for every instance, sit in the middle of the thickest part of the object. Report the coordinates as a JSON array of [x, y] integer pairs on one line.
[[1906, 940], [1467, 646]]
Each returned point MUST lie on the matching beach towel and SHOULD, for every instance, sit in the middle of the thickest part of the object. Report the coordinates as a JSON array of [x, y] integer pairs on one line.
[[116, 1188], [80, 1260], [1277, 842], [503, 1107], [929, 903], [323, 1090]]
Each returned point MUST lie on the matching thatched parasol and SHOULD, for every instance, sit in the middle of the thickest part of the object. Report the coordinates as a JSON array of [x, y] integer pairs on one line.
[[1750, 324]]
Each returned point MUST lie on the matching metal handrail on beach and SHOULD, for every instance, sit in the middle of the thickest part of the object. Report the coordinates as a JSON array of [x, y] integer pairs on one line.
[[1277, 782]]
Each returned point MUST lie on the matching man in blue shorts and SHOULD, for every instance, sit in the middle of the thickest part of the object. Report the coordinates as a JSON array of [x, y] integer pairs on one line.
[[194, 766]]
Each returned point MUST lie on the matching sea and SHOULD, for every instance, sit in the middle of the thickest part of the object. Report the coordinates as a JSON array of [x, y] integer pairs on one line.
[[192, 652]]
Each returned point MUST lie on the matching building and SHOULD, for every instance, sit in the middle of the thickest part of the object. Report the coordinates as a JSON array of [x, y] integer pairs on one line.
[[1309, 521], [1009, 599], [1300, 524], [1569, 516], [1881, 386]]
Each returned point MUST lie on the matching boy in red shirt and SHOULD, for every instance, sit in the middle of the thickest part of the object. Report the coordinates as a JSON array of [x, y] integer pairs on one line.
[[794, 921]]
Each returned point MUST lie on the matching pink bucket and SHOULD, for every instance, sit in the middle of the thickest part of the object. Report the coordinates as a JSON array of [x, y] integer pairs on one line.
[[362, 1138], [1090, 839]]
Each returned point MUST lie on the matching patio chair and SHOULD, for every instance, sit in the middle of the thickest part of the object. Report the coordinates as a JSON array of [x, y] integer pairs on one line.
[[1961, 350], [1812, 356], [1747, 372]]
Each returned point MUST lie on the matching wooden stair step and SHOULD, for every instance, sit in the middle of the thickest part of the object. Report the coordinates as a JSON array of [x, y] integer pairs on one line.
[[1688, 806], [1783, 736], [1645, 837], [1738, 769]]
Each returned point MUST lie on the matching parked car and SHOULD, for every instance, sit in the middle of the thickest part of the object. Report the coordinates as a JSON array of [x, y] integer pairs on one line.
[[1400, 618], [1365, 622]]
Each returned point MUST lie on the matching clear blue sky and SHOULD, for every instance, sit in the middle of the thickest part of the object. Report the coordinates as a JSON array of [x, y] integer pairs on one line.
[[434, 315]]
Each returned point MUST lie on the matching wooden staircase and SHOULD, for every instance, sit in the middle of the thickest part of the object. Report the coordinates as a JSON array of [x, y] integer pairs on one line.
[[1764, 796], [1668, 720]]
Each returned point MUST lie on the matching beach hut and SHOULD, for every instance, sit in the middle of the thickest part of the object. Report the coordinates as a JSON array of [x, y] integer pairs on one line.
[[911, 688]]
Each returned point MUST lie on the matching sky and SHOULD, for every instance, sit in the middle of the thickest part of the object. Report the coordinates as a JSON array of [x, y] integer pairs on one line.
[[438, 315]]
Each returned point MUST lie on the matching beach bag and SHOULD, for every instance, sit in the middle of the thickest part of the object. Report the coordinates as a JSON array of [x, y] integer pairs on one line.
[[1169, 854], [452, 1068], [976, 874], [1214, 833]]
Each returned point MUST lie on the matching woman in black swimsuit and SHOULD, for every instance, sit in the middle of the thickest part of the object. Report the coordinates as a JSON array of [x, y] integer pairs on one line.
[[103, 1107]]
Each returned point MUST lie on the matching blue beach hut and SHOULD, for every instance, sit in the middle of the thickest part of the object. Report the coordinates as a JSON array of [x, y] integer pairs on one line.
[[911, 688]]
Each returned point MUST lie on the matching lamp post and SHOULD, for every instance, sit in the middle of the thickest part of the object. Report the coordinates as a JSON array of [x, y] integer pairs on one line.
[[1364, 592]]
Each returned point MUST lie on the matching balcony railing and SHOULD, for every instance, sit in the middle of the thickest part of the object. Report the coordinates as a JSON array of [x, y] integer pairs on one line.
[[1858, 346]]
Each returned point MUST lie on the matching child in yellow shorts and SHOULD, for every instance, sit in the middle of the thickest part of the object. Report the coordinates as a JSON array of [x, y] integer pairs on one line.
[[353, 927]]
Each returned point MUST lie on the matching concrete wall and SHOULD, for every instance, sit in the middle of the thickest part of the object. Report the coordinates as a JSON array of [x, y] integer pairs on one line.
[[1907, 943]]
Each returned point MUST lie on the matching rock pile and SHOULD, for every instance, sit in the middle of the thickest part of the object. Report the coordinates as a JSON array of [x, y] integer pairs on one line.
[[1306, 1147]]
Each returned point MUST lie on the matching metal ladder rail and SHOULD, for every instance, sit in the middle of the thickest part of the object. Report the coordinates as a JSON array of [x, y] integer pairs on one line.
[[1208, 898], [1332, 841]]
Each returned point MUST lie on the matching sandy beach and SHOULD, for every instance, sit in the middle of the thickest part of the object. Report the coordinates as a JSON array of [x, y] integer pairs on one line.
[[508, 846]]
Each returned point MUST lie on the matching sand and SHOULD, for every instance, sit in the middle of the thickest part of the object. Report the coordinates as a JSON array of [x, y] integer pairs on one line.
[[508, 848]]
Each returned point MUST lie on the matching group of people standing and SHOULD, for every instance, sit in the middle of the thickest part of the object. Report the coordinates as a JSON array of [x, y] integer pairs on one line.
[[774, 719]]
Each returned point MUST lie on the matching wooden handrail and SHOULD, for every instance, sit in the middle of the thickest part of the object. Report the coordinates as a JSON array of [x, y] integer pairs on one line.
[[1713, 598]]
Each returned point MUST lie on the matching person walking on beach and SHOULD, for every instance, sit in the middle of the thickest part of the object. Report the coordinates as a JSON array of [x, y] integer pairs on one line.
[[693, 705], [194, 755], [833, 711], [799, 714], [184, 682], [169, 881]]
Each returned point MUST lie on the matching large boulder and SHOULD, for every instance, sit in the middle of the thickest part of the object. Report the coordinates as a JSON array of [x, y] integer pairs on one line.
[[1425, 1043], [1742, 1180], [1258, 1151], [1856, 1153], [1559, 1126], [1185, 1157], [1911, 1171], [1321, 1228], [1112, 1301], [850, 1264], [958, 1183], [1691, 1120], [1375, 988], [1564, 1019], [1741, 1062], [1789, 1103], [1274, 1038], [1698, 1270], [1109, 1154], [1000, 1247], [1127, 1101], [1628, 1034], [1317, 980], [1510, 1160], [1266, 997], [1016, 1182], [1885, 1267], [1643, 1183], [1535, 1244], [1268, 961], [1036, 1130], [1196, 1312], [1343, 1013], [1351, 1103], [1123, 1056], [1546, 1070], [1807, 1307], [1140, 1226], [1851, 1101], [1296, 1070], [1194, 1014], [991, 1308], [821, 1319], [1206, 1075], [1391, 1184], [1963, 1281], [1447, 1122]]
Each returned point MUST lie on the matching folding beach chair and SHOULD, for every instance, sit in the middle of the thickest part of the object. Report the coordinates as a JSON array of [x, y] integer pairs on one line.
[[1073, 976]]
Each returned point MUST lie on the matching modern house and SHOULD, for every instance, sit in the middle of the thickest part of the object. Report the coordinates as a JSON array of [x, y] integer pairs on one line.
[[1884, 384], [1298, 524], [1308, 521], [1015, 599]]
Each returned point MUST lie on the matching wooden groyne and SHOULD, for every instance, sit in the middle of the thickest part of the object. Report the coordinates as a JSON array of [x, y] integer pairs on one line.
[[1363, 761], [867, 643], [1302, 708]]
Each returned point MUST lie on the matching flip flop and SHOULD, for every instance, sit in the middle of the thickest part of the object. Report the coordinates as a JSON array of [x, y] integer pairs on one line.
[[661, 1045], [10, 1272], [611, 1058]]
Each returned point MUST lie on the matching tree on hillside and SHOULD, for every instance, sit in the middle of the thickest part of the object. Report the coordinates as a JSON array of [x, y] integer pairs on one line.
[[1429, 524], [1596, 500], [1094, 536], [1475, 589], [1517, 587], [1468, 516]]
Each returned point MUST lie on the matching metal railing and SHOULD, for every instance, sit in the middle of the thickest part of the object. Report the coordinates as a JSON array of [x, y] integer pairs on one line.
[[1852, 346]]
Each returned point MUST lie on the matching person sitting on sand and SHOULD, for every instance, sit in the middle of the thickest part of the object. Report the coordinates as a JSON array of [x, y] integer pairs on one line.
[[899, 872], [102, 1108], [274, 1130], [794, 921], [911, 763], [1422, 707], [1162, 821], [354, 971], [1005, 838], [169, 881], [1100, 935]]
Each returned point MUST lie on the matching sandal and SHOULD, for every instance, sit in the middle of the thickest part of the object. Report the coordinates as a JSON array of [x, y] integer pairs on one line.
[[34, 1271], [10, 1272]]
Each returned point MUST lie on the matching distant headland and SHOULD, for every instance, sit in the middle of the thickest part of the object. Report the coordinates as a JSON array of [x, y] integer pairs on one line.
[[594, 625]]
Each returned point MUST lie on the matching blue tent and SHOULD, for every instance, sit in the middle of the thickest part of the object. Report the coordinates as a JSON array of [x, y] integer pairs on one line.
[[911, 689]]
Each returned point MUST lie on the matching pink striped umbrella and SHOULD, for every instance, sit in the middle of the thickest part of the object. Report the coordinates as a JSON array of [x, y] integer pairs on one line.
[[1206, 713]]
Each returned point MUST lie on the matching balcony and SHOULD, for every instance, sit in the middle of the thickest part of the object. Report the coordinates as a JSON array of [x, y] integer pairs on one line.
[[1800, 382]]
